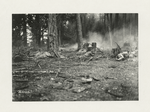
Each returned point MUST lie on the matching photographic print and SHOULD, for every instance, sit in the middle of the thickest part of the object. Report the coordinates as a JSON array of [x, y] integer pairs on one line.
[[75, 57]]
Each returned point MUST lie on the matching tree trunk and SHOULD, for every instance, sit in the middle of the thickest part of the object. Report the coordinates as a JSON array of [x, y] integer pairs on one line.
[[79, 32], [38, 30], [33, 30], [83, 21], [116, 20], [124, 23], [130, 24], [136, 20], [42, 36], [135, 27], [59, 36], [110, 30], [111, 22], [105, 24], [49, 31], [59, 28], [52, 34], [39, 37], [24, 31], [109, 27]]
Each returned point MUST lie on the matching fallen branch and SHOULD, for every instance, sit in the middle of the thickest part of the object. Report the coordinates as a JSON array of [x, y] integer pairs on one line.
[[96, 79], [21, 69], [62, 76], [21, 80], [57, 73], [90, 59], [116, 95], [62, 66], [38, 64], [112, 66], [23, 87], [110, 78], [16, 64], [18, 75], [38, 72]]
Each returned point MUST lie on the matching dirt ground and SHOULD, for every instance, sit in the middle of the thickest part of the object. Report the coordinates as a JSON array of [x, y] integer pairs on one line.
[[62, 79]]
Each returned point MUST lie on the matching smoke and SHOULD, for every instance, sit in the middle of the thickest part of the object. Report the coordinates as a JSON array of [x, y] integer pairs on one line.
[[121, 37], [99, 39], [125, 35]]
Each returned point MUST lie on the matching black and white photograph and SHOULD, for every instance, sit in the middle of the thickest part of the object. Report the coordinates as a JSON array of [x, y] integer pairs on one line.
[[75, 57]]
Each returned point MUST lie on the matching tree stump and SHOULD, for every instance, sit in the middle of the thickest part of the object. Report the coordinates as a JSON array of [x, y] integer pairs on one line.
[[94, 45]]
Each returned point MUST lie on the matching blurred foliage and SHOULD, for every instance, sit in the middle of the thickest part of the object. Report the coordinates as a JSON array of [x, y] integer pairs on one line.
[[66, 25]]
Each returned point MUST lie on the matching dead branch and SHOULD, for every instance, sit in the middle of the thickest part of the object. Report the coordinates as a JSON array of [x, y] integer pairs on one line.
[[24, 87], [20, 69], [16, 64], [90, 59], [116, 95], [32, 72], [57, 73], [22, 80], [118, 46], [109, 78]]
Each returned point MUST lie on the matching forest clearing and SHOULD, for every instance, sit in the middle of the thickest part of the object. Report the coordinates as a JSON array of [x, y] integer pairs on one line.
[[118, 78], [75, 57]]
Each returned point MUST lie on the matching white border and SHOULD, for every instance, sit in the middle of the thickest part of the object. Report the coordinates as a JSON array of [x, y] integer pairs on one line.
[[7, 7]]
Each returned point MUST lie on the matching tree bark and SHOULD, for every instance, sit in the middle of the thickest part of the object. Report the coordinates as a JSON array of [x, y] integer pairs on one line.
[[42, 36], [59, 36], [130, 24], [49, 31], [52, 34], [79, 32], [38, 30], [109, 27], [116, 20], [105, 24], [135, 24], [24, 30], [83, 21], [136, 20], [59, 28], [124, 23]]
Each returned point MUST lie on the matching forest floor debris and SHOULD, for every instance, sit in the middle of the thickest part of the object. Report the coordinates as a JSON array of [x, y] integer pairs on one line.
[[69, 79]]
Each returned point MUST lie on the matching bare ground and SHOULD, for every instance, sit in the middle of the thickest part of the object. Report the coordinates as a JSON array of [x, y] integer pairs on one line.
[[111, 80]]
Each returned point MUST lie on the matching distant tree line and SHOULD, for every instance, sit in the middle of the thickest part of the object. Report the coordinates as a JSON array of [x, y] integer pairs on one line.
[[68, 28]]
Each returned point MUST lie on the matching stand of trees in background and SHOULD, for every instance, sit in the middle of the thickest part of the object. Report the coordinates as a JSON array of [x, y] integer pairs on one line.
[[54, 30]]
